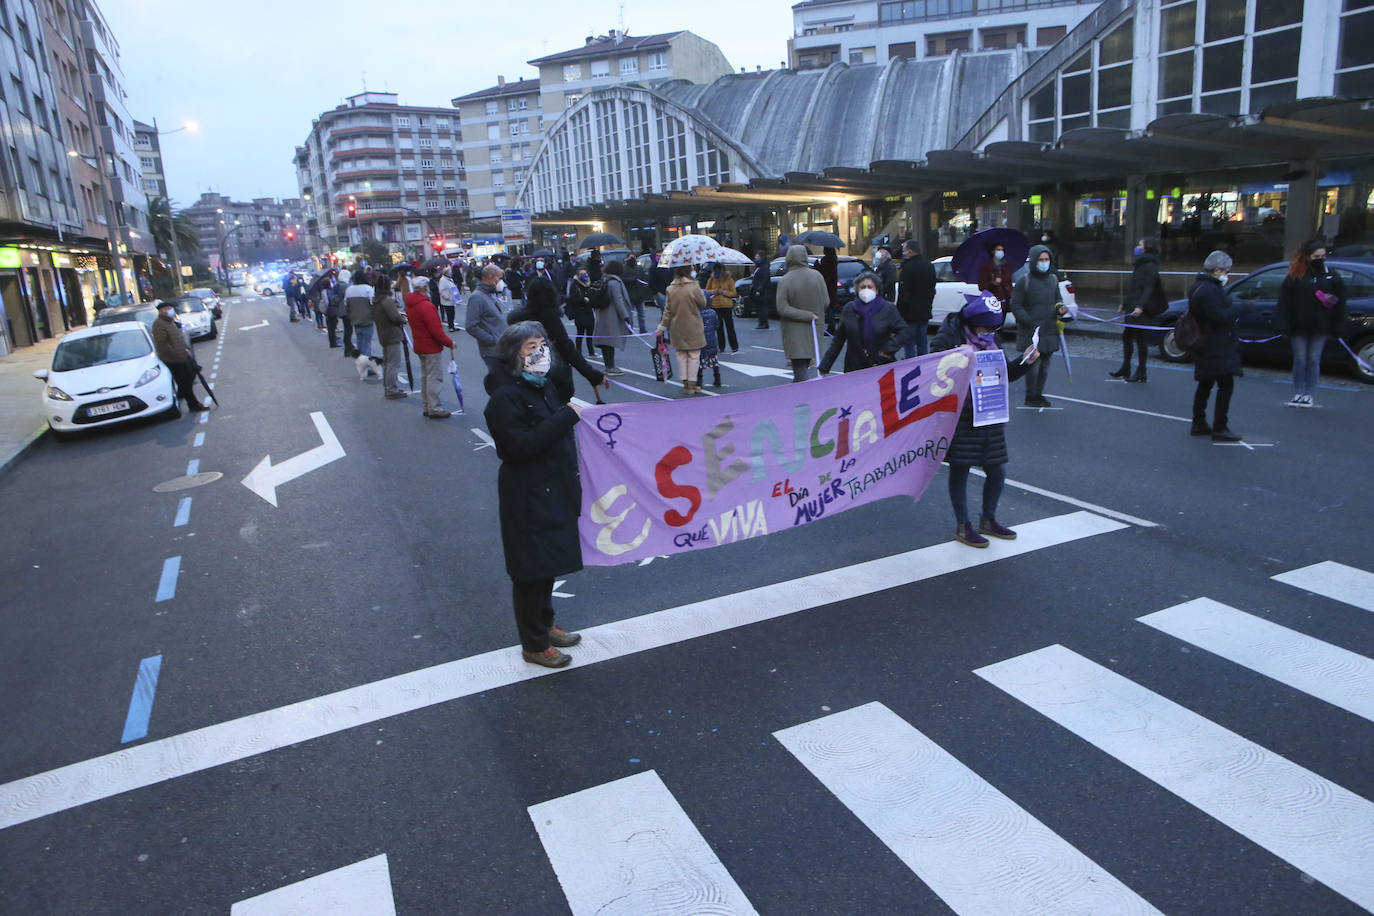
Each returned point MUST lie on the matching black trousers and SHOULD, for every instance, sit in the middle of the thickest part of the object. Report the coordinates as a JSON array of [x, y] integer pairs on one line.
[[608, 356], [184, 374], [331, 324], [584, 333], [450, 313], [533, 601], [1222, 413], [348, 335], [1133, 338], [725, 328]]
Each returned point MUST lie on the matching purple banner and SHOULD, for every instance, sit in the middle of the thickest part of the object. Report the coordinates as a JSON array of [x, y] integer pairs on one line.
[[666, 478]]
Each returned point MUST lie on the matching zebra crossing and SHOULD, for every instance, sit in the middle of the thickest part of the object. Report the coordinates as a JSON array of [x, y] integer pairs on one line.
[[636, 849]]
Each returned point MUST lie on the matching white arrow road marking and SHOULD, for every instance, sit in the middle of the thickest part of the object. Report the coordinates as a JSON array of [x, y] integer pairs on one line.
[[487, 440], [758, 371], [265, 478], [249, 327]]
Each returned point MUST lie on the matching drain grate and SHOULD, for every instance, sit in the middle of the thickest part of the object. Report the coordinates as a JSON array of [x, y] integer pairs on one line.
[[187, 482]]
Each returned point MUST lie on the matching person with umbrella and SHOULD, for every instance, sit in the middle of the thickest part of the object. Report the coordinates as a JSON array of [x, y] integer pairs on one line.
[[430, 341], [995, 274], [720, 293], [1035, 303], [802, 302], [681, 322], [594, 265]]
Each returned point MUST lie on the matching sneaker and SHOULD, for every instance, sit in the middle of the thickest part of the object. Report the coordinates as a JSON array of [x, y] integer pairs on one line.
[[549, 658], [1200, 429], [1307, 401], [614, 371], [965, 534], [1295, 401], [996, 529], [562, 638], [1222, 434]]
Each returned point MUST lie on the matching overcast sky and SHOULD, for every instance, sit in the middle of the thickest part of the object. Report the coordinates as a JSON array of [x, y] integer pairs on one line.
[[254, 73]]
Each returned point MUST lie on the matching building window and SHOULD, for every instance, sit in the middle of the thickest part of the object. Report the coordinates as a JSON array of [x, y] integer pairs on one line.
[[906, 50], [426, 163], [571, 99], [491, 108], [601, 69], [629, 66], [402, 121], [499, 201], [428, 184], [493, 131], [442, 123], [426, 143], [431, 205], [498, 179], [572, 72], [450, 203], [1003, 38], [1355, 57], [658, 60], [1049, 35], [845, 27], [148, 163], [941, 45], [496, 157]]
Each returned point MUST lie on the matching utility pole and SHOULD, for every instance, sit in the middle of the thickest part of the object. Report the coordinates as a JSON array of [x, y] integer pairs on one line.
[[110, 226]]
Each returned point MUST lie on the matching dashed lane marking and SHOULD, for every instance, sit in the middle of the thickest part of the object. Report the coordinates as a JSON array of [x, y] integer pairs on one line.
[[167, 583], [141, 703], [183, 512]]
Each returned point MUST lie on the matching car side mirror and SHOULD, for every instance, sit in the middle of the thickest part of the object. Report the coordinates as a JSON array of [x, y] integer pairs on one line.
[[41, 374]]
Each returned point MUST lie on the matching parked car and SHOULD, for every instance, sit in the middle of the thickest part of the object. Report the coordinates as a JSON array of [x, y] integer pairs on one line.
[[1260, 290], [103, 375], [950, 292], [195, 316], [848, 269], [211, 300], [145, 314]]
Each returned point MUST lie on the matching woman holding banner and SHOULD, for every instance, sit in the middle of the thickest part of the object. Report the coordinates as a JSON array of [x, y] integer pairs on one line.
[[538, 489], [870, 329], [975, 325]]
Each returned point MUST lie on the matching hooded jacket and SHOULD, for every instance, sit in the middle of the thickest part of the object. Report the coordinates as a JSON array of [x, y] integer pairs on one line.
[[801, 293], [1034, 302], [484, 321], [386, 315]]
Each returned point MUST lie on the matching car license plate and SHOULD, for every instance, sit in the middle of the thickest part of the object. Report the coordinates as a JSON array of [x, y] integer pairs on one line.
[[101, 409]]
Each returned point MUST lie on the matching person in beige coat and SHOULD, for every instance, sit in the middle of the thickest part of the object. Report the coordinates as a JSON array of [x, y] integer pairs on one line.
[[802, 300], [682, 321]]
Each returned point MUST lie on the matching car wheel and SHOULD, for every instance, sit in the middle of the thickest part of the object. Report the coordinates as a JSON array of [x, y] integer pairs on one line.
[[1170, 351], [739, 310], [1365, 350]]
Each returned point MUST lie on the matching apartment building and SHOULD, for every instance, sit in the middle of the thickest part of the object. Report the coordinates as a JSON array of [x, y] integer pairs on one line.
[[825, 32], [400, 166], [149, 150], [503, 126], [247, 232]]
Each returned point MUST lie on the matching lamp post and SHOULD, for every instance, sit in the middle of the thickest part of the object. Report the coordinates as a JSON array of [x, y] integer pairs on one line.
[[223, 258], [192, 126]]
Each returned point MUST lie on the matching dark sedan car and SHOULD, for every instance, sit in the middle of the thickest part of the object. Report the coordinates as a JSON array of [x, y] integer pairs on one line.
[[1260, 291], [849, 268]]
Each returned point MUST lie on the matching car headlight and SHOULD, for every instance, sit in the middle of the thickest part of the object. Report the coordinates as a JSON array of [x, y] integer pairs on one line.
[[148, 376], [57, 394]]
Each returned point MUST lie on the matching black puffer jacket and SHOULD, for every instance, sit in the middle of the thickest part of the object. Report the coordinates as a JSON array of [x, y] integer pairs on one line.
[[981, 446], [1144, 291], [889, 330], [538, 484], [1300, 312], [1216, 316]]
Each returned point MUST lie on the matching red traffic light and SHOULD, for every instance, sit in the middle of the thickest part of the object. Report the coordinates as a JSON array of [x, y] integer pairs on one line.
[[290, 236], [352, 209], [437, 244]]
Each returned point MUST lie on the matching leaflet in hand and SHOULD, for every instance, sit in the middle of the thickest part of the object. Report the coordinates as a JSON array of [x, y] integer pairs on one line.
[[1034, 345]]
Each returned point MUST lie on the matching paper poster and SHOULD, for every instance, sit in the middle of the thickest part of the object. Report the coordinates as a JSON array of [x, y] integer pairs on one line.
[[989, 388]]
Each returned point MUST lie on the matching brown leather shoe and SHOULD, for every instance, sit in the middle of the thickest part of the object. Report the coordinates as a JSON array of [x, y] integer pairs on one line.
[[439, 414], [549, 658], [562, 638]]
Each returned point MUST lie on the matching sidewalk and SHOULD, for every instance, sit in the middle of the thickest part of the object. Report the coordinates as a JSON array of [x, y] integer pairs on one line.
[[21, 412]]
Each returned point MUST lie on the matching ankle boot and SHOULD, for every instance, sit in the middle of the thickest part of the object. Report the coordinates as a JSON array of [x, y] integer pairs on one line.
[[1124, 371], [1139, 375]]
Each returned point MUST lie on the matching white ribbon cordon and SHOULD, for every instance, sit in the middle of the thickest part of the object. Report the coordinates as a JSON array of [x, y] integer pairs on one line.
[[648, 394]]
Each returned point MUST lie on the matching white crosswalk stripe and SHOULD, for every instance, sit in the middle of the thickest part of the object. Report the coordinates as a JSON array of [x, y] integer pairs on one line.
[[1334, 580], [1338, 676], [977, 849], [627, 847], [1306, 820], [360, 889]]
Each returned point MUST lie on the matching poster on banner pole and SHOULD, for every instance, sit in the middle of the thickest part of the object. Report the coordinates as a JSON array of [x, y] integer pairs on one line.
[[989, 388], [660, 479]]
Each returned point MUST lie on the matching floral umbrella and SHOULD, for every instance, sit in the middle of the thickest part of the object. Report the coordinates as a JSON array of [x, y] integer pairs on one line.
[[699, 249]]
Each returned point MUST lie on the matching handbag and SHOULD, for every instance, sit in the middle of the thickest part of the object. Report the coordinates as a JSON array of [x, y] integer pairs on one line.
[[1188, 333], [663, 363]]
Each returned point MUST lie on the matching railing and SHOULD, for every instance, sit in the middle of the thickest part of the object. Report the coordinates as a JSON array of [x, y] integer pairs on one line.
[[1107, 288]]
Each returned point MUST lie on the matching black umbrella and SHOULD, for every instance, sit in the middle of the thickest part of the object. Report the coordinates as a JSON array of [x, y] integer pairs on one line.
[[438, 262], [208, 390], [599, 239], [820, 238], [404, 267]]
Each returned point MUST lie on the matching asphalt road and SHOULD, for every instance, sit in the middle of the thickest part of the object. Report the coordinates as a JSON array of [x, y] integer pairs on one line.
[[840, 735]]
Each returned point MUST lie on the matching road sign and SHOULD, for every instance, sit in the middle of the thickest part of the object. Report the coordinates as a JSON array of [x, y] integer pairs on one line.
[[516, 228]]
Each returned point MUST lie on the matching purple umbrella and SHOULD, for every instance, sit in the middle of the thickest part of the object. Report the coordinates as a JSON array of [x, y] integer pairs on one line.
[[976, 251]]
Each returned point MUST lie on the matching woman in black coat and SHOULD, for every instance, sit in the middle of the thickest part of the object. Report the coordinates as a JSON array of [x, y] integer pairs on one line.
[[1218, 360], [1144, 301], [870, 329], [1311, 308], [976, 325], [538, 486], [541, 305]]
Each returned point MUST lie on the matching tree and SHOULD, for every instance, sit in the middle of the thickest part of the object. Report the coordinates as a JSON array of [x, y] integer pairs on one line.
[[375, 252], [188, 239]]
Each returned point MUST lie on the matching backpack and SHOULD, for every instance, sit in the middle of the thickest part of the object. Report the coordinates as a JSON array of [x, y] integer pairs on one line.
[[598, 295], [1188, 333]]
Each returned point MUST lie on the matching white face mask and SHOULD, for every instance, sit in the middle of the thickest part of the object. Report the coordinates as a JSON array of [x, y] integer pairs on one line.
[[500, 286], [1042, 266], [538, 265], [538, 362], [694, 275], [999, 255], [1044, 238], [868, 294], [1223, 278]]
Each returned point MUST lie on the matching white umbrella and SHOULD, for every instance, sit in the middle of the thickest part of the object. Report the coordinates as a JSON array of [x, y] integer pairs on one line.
[[699, 249]]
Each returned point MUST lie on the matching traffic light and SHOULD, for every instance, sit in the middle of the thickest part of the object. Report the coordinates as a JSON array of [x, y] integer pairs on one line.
[[352, 208], [437, 244], [290, 235]]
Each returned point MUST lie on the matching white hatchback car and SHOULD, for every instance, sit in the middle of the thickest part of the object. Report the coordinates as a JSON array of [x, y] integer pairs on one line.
[[950, 291], [196, 318], [103, 375]]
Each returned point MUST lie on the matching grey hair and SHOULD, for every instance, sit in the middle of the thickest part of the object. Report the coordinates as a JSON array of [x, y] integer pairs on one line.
[[1217, 260], [512, 339], [491, 270]]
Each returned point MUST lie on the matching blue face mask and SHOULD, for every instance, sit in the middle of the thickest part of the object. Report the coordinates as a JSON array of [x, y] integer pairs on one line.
[[1137, 251], [1042, 266]]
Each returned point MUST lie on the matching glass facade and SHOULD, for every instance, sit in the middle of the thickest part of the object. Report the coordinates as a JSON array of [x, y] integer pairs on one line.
[[1228, 56], [1355, 57], [1092, 90]]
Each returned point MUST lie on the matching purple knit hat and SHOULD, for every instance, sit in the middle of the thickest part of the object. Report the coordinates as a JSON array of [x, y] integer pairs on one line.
[[982, 310]]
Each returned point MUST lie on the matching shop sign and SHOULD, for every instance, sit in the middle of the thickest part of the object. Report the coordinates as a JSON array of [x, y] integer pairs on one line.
[[61, 260], [9, 257]]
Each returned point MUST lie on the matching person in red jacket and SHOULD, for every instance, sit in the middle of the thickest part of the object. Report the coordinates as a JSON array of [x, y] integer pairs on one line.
[[430, 343]]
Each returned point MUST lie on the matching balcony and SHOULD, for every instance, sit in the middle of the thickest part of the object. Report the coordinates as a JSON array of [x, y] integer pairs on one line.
[[364, 173], [362, 151], [359, 131]]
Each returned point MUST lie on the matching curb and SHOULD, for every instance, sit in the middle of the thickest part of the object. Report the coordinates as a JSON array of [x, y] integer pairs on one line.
[[18, 455]]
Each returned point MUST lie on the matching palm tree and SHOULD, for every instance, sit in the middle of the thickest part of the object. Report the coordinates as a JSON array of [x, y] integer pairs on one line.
[[188, 239]]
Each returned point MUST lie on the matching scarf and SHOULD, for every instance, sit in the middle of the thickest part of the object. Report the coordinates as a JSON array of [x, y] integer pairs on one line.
[[979, 341], [535, 380], [867, 311]]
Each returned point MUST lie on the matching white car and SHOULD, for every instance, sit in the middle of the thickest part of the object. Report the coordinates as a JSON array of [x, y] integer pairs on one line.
[[196, 318], [211, 300], [103, 375], [950, 291]]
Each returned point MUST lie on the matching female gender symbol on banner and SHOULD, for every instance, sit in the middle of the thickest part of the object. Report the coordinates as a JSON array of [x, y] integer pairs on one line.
[[609, 427]]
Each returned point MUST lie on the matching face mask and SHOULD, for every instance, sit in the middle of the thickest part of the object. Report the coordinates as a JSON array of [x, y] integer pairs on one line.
[[538, 265], [1223, 279], [878, 258], [999, 255], [538, 362], [1044, 238], [1318, 264], [694, 275], [867, 294], [1137, 251], [500, 286], [1042, 266], [583, 278]]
